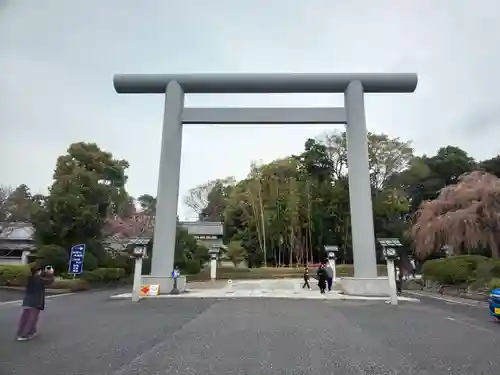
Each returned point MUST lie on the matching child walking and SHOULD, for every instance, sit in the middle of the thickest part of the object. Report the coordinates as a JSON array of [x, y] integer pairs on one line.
[[306, 278]]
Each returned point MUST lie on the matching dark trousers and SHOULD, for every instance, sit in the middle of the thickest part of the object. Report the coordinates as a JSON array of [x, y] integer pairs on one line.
[[28, 322], [306, 283], [329, 281], [322, 286]]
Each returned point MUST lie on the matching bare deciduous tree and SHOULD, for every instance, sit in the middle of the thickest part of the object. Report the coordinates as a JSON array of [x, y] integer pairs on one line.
[[5, 192], [336, 148], [387, 156], [197, 198], [464, 216]]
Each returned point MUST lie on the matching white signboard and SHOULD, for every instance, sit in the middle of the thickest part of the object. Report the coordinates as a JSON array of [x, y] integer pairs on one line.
[[154, 290]]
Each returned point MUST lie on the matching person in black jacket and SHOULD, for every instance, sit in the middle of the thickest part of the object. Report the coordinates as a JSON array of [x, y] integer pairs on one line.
[[34, 301], [322, 276]]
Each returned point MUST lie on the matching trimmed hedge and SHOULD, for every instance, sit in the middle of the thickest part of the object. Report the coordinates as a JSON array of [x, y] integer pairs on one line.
[[14, 275], [73, 285], [494, 284], [17, 275], [104, 275], [461, 269]]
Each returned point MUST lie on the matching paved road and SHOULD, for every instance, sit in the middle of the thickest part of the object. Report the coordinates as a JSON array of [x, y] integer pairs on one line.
[[90, 334], [10, 295]]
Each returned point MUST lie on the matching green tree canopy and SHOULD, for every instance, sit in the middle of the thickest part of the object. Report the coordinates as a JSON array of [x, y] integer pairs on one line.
[[88, 186]]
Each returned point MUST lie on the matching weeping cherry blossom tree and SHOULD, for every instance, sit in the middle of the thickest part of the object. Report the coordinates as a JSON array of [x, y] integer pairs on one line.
[[464, 216], [120, 232]]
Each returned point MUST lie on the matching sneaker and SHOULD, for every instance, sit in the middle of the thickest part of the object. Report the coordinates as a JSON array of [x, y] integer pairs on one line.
[[32, 335], [22, 338]]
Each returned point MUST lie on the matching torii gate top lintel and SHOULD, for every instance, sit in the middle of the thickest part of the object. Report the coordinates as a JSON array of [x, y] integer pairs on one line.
[[253, 83]]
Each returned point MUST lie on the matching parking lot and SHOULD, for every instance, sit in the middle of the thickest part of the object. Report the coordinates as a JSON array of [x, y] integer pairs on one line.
[[90, 334]]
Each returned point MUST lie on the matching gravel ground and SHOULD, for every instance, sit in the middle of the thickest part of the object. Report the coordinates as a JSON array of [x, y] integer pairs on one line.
[[89, 334], [200, 285]]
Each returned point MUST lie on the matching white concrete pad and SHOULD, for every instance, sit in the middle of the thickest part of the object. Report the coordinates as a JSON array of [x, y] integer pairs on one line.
[[283, 288]]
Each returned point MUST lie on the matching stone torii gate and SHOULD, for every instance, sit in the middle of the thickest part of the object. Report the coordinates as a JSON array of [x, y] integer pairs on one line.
[[175, 86]]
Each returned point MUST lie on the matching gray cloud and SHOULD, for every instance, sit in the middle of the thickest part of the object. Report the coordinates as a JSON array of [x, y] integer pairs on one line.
[[58, 58]]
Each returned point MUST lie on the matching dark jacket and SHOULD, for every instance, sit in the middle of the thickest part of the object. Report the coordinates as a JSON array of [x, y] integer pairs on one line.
[[306, 274], [322, 276], [35, 291]]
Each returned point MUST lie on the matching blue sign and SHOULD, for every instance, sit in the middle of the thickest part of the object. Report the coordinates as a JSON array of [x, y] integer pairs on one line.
[[76, 259], [176, 273]]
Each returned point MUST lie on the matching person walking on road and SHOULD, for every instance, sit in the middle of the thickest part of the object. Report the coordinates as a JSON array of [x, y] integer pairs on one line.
[[322, 276], [413, 267], [306, 278], [34, 301], [329, 276]]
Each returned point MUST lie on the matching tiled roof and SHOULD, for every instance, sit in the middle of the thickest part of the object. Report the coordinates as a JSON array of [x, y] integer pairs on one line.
[[16, 231], [26, 231]]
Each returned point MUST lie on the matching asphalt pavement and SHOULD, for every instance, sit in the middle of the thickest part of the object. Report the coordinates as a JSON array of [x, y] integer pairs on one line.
[[10, 295], [88, 333]]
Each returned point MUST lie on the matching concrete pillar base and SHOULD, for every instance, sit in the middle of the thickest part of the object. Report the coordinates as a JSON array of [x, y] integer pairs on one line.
[[365, 286], [166, 283]]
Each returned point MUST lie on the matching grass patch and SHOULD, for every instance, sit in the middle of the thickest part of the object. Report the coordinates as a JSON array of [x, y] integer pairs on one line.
[[226, 273]]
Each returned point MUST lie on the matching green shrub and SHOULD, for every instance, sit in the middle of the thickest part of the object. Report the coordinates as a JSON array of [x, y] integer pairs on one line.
[[90, 261], [54, 255], [495, 268], [73, 285], [121, 261], [104, 275], [432, 268], [474, 261], [483, 272], [449, 271], [494, 284], [14, 275], [192, 267]]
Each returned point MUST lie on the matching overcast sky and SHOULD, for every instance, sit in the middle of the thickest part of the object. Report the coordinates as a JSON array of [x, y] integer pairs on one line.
[[58, 57]]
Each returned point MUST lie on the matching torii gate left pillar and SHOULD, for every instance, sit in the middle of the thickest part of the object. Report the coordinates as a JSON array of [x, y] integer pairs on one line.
[[175, 86]]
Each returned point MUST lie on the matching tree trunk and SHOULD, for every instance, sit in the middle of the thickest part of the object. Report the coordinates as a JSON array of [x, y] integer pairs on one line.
[[260, 237], [263, 224], [309, 224], [304, 247]]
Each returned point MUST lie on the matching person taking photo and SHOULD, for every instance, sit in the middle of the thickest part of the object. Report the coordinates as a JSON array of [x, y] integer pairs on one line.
[[34, 301]]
